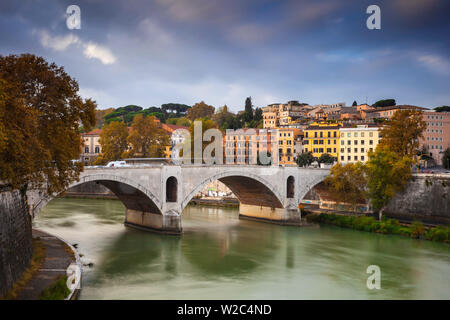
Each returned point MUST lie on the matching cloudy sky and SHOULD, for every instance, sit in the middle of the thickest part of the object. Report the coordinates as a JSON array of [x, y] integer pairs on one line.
[[221, 51]]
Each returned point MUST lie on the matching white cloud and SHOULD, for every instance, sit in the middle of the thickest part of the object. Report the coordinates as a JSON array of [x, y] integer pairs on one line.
[[61, 43], [249, 33], [96, 51], [435, 63], [57, 43], [156, 34]]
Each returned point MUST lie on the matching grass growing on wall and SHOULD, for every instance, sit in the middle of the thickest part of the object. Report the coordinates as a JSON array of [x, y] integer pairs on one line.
[[36, 262], [57, 291], [387, 226]]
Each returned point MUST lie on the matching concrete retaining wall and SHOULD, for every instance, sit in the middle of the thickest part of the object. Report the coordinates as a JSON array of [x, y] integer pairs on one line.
[[16, 247]]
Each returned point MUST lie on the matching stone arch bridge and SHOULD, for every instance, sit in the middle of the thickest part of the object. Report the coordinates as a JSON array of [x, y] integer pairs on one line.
[[155, 196]]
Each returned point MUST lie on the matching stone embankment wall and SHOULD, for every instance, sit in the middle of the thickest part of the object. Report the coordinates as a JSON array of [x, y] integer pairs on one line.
[[426, 198], [16, 247]]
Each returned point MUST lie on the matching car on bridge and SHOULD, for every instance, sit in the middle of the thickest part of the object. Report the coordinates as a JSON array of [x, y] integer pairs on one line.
[[117, 164]]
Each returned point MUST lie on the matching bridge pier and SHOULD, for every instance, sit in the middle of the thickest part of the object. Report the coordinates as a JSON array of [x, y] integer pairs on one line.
[[268, 214], [169, 223]]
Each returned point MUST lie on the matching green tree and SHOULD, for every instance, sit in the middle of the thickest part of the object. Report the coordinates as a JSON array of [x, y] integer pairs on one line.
[[113, 140], [223, 118], [387, 173], [401, 134], [200, 110], [40, 116], [446, 159], [248, 111], [384, 103], [354, 104], [347, 183], [304, 159], [442, 109], [325, 158], [184, 122], [147, 138]]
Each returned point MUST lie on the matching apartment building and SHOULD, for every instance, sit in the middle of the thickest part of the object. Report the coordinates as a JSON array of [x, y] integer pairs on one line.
[[91, 147], [288, 138], [386, 112], [356, 142], [436, 137], [278, 114], [243, 145], [322, 137]]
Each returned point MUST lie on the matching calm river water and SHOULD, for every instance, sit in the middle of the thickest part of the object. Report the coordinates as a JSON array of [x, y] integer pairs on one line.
[[221, 257]]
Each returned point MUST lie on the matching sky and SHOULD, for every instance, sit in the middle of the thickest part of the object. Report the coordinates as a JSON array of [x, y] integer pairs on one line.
[[221, 51]]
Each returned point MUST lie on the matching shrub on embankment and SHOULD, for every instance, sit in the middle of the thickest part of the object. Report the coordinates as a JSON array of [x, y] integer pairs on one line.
[[387, 226]]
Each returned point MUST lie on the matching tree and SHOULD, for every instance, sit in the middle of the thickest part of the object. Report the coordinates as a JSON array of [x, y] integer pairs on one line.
[[40, 116], [184, 122], [354, 104], [387, 173], [442, 109], [325, 158], [113, 140], [401, 134], [177, 107], [384, 103], [248, 113], [200, 110], [100, 116], [304, 159], [206, 124], [446, 159], [223, 118], [347, 183], [147, 138]]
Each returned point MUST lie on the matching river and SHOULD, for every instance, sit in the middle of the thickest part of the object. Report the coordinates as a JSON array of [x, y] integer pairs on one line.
[[220, 256]]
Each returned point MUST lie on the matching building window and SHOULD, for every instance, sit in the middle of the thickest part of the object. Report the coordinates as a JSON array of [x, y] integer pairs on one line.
[[86, 149], [342, 158], [349, 142], [356, 158], [362, 142], [349, 158], [371, 142], [362, 158], [356, 142]]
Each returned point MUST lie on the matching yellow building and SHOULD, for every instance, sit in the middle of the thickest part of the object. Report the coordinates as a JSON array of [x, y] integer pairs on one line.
[[356, 142], [287, 138], [322, 138]]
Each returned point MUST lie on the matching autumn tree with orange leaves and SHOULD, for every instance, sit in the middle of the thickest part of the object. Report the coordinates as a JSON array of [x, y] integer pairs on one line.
[[40, 116]]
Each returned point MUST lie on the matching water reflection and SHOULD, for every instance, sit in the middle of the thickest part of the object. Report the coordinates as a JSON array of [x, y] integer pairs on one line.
[[221, 257]]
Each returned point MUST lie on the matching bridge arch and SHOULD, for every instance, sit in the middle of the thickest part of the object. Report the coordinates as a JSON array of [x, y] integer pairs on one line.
[[290, 187], [171, 189], [243, 184], [132, 194], [306, 186]]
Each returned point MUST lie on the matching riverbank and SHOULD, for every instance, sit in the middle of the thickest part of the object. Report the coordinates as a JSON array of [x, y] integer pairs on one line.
[[415, 230], [46, 277]]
